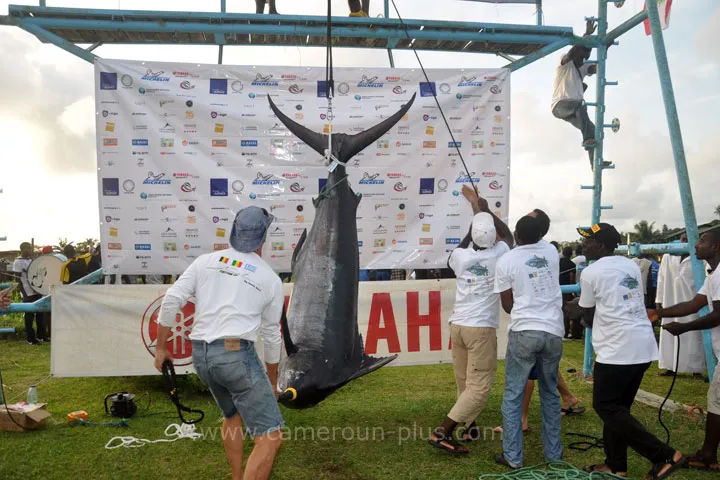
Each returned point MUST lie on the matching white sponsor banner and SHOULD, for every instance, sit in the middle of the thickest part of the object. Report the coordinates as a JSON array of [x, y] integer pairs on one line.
[[182, 147], [111, 330]]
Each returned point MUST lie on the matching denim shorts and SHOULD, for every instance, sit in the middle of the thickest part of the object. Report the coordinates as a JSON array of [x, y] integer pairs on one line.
[[239, 384]]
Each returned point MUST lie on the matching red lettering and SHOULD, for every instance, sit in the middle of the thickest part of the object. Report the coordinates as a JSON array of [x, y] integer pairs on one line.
[[415, 321], [381, 305]]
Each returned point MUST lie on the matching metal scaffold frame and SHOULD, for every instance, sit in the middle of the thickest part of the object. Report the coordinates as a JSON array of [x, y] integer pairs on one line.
[[521, 45]]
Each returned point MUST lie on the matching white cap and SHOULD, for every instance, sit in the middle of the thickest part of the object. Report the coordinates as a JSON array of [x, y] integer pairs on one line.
[[483, 230]]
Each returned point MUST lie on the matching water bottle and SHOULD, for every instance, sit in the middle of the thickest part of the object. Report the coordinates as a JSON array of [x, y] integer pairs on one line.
[[32, 395]]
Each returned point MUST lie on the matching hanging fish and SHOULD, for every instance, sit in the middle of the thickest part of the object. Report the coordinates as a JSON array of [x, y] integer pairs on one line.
[[324, 347]]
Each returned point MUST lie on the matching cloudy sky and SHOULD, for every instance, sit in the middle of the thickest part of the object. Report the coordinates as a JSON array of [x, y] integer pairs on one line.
[[47, 149]]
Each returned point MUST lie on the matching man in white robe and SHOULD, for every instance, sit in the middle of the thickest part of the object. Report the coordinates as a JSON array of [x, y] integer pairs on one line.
[[676, 285]]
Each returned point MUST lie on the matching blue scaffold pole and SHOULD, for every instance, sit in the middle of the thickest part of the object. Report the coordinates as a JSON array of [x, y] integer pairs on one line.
[[681, 169]]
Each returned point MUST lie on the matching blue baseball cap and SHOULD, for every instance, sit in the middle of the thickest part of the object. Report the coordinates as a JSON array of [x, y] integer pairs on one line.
[[250, 228]]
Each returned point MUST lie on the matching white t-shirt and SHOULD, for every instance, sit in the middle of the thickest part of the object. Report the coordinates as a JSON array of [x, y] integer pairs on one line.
[[711, 289], [234, 291], [532, 272], [568, 82], [622, 333], [20, 265], [476, 305]]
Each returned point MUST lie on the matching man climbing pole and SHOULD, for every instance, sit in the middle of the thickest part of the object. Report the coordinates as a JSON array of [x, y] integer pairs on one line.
[[567, 103]]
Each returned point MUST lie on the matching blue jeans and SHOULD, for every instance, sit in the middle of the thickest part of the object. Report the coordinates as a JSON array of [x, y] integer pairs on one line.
[[525, 349], [239, 384]]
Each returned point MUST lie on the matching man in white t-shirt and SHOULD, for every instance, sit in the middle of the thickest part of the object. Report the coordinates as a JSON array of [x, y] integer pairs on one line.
[[21, 265], [237, 295], [569, 89], [474, 322], [708, 248], [613, 303], [527, 279]]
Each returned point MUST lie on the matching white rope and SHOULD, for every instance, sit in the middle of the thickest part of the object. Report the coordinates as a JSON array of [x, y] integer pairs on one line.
[[330, 160], [180, 431]]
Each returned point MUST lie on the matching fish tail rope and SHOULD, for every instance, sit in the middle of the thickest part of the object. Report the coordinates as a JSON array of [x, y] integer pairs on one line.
[[174, 432], [325, 192], [557, 470], [330, 160]]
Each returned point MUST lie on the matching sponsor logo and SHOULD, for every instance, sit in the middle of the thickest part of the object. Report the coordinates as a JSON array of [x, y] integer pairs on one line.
[[495, 90], [427, 186], [296, 188], [128, 186], [452, 241], [398, 90], [495, 185], [426, 241], [158, 179], [187, 187], [184, 75], [248, 143], [428, 89], [464, 178], [237, 86], [114, 246], [369, 82], [399, 187], [268, 179], [110, 142], [219, 142], [185, 85], [295, 89], [220, 246], [108, 81], [454, 144], [140, 142], [111, 187], [478, 144], [264, 81], [167, 143], [469, 82], [151, 76], [218, 86], [143, 246], [442, 185], [218, 187], [368, 179], [429, 144], [238, 187]]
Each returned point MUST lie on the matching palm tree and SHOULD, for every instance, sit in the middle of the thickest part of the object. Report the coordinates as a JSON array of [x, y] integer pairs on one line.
[[645, 232], [717, 210]]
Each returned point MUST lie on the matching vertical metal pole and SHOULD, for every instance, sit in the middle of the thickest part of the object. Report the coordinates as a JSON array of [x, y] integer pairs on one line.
[[539, 13], [220, 48], [389, 50], [597, 160], [681, 169]]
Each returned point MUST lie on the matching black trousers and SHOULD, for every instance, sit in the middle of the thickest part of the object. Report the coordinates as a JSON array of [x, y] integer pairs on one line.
[[39, 320], [614, 390]]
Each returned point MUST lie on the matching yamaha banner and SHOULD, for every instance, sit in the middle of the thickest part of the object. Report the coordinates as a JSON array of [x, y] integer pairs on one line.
[[182, 147]]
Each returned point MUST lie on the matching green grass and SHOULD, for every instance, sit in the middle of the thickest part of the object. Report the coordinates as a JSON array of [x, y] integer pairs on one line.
[[399, 401]]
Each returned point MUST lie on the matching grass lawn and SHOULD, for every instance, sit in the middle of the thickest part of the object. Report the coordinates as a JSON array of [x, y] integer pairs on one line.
[[380, 425]]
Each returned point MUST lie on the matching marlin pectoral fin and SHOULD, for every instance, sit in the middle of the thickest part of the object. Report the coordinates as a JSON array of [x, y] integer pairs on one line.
[[357, 143], [370, 364], [290, 347], [297, 249], [316, 141]]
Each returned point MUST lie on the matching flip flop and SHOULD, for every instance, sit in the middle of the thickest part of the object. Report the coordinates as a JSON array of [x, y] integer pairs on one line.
[[499, 429], [470, 435], [572, 411], [596, 468]]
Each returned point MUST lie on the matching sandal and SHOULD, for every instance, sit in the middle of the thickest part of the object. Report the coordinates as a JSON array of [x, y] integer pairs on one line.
[[654, 473], [666, 373], [448, 444], [696, 462], [572, 411], [499, 429]]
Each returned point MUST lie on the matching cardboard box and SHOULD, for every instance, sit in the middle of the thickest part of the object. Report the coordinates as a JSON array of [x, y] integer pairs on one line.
[[30, 418]]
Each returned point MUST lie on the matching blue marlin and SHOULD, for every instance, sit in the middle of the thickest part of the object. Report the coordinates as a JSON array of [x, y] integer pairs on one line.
[[323, 345], [537, 262]]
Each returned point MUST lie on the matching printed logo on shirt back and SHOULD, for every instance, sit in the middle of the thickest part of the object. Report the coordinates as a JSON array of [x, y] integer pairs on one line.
[[537, 262], [479, 270], [630, 283]]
